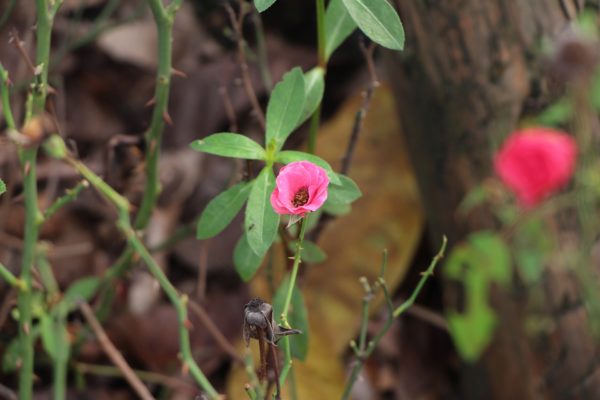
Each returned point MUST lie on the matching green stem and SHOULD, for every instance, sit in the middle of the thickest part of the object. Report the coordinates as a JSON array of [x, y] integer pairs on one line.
[[164, 24], [70, 195], [362, 352], [179, 302], [315, 119], [10, 278], [4, 93], [287, 363], [59, 386], [321, 33], [28, 158]]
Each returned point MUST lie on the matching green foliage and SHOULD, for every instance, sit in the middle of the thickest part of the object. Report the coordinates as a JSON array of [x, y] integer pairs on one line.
[[297, 317], [484, 259], [557, 113], [81, 290], [285, 108], [221, 210], [245, 260], [314, 81], [378, 20], [289, 156], [12, 355], [262, 5], [2, 186], [338, 26], [530, 245], [55, 337], [230, 145], [340, 197], [261, 220]]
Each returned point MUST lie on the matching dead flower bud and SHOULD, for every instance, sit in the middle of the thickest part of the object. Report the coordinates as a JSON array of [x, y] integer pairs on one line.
[[258, 321]]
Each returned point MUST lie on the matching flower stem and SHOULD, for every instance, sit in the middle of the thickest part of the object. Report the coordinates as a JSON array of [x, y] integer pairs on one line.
[[10, 278], [315, 119], [287, 363]]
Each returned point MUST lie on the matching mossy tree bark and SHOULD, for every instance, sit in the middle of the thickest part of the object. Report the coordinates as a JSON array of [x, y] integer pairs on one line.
[[469, 70]]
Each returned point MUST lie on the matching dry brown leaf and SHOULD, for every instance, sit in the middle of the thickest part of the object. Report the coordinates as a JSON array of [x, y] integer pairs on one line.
[[389, 215]]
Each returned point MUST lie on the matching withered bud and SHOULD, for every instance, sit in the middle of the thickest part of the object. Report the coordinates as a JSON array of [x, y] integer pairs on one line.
[[259, 322]]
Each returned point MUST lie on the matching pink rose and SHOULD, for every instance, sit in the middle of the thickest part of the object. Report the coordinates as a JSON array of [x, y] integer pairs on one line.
[[536, 162], [300, 187]]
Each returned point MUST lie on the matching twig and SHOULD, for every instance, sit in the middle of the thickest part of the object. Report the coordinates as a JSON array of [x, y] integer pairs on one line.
[[11, 279], [236, 23], [362, 112], [212, 328], [363, 350], [113, 353], [179, 302], [151, 377], [18, 43], [70, 195]]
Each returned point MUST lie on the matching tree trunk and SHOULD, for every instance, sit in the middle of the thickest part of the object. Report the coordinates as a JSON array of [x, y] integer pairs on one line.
[[461, 84]]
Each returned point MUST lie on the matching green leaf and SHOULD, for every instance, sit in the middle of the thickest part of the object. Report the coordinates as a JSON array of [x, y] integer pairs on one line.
[[557, 113], [83, 289], [297, 317], [314, 87], [55, 337], [289, 156], [262, 5], [337, 209], [311, 252], [378, 20], [345, 193], [221, 210], [245, 260], [484, 259], [338, 26], [261, 220], [532, 245], [2, 186], [230, 145], [285, 108]]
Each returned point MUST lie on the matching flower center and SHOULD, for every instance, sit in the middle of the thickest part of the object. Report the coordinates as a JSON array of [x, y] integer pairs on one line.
[[301, 197]]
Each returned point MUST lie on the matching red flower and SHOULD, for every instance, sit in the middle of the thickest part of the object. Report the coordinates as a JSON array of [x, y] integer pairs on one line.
[[536, 162], [301, 187]]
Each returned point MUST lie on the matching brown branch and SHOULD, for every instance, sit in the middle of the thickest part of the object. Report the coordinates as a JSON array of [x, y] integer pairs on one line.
[[229, 110], [113, 353], [236, 23], [18, 43], [212, 328]]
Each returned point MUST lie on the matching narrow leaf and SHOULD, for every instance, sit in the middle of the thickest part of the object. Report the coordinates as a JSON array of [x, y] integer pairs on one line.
[[338, 26], [378, 20], [55, 338], [297, 317], [314, 87], [285, 108], [221, 210], [245, 260], [229, 145], [262, 5], [289, 156], [2, 186], [261, 220]]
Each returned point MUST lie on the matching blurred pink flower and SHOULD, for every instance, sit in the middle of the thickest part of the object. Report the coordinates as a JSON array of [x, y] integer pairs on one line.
[[536, 162], [300, 187]]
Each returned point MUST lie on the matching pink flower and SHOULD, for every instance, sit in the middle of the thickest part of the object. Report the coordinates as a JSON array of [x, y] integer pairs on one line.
[[536, 162], [300, 187]]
